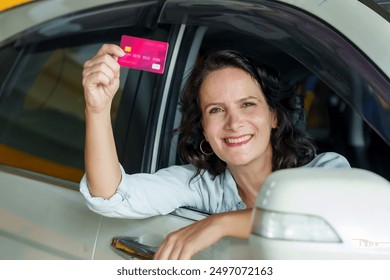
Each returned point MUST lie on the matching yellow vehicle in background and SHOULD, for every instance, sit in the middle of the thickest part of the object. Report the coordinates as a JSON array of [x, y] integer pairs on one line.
[[5, 5]]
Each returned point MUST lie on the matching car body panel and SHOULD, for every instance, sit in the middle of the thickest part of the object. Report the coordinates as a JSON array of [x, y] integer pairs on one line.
[[32, 221]]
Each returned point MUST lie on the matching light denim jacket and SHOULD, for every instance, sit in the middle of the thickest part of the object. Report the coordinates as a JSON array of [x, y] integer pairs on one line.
[[144, 195]]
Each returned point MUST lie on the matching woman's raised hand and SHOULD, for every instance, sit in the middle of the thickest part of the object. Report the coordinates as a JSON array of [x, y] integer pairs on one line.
[[101, 78]]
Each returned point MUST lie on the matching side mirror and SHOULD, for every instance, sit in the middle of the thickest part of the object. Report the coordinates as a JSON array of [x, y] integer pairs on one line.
[[320, 213]]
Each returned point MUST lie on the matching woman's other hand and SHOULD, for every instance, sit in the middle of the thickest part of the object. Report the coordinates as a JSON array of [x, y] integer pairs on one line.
[[186, 242]]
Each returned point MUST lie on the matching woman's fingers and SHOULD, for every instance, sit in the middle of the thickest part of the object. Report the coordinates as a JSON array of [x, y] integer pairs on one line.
[[186, 242], [104, 61], [105, 64], [111, 49], [101, 77], [99, 74], [168, 251], [175, 247]]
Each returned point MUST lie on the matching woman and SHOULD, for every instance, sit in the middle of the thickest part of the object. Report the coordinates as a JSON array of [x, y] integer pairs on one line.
[[240, 123]]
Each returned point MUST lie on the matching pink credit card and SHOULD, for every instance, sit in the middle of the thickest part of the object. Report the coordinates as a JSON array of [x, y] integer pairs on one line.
[[143, 54]]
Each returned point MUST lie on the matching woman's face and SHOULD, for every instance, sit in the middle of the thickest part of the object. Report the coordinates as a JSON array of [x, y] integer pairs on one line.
[[236, 119]]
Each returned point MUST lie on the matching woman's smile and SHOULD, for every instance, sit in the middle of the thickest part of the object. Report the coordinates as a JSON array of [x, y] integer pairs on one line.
[[238, 141]]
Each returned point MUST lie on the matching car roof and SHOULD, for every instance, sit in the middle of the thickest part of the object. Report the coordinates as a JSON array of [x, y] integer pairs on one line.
[[332, 13]]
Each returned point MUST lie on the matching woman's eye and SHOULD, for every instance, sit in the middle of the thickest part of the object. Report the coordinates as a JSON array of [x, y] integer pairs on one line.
[[215, 110], [248, 104]]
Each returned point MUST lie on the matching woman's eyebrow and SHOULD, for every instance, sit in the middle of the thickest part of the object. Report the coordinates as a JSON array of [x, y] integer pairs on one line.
[[247, 98]]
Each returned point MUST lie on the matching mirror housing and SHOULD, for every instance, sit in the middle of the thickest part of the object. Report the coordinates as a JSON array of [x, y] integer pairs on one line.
[[321, 213]]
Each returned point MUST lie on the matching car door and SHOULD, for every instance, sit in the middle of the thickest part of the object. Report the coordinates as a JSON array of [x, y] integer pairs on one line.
[[43, 215]]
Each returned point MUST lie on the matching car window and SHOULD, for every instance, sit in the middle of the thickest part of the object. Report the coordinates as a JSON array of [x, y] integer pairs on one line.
[[42, 110], [42, 104], [42, 124], [385, 5]]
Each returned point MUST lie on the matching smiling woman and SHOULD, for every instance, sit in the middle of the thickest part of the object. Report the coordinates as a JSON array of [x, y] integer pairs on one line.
[[246, 113]]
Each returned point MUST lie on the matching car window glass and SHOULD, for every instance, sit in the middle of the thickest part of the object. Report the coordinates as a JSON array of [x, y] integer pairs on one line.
[[7, 57], [42, 111], [384, 4], [41, 96]]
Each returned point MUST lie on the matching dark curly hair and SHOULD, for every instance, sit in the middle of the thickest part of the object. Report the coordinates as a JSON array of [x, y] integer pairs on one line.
[[291, 145]]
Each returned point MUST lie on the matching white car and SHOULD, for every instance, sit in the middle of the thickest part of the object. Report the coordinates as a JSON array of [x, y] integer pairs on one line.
[[337, 52]]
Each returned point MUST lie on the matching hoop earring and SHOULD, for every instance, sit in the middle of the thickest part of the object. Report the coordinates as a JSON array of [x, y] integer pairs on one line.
[[201, 149]]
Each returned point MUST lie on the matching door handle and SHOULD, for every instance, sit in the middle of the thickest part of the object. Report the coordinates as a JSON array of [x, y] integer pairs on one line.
[[130, 247]]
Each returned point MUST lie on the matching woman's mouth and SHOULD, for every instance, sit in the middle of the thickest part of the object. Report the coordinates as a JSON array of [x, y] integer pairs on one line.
[[238, 140]]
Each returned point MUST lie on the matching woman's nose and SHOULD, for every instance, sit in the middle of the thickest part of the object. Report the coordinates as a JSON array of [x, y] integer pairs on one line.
[[233, 120]]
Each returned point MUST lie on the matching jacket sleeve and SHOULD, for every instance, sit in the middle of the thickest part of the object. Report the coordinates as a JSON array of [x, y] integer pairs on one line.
[[144, 195]]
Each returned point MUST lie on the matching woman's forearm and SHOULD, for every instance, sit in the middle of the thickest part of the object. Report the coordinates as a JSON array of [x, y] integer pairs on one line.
[[101, 160], [187, 241], [236, 223]]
